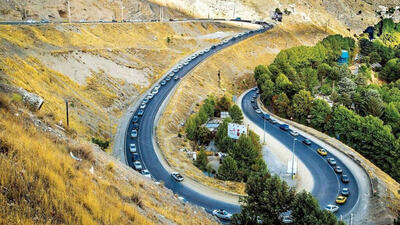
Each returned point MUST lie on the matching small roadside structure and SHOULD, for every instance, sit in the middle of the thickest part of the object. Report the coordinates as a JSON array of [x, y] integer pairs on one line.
[[344, 58], [224, 115], [213, 124], [277, 16], [375, 66]]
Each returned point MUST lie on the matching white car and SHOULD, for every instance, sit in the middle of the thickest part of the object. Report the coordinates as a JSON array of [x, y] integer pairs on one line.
[[134, 133], [331, 208], [132, 147], [180, 66], [294, 133], [150, 96], [185, 63], [177, 176], [258, 111], [146, 173], [143, 105], [222, 214], [155, 91], [137, 165]]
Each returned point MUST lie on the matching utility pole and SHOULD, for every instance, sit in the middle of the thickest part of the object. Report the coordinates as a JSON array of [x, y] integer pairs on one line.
[[161, 13], [109, 118], [66, 110], [294, 143], [219, 78], [69, 11], [122, 12], [264, 127], [234, 9]]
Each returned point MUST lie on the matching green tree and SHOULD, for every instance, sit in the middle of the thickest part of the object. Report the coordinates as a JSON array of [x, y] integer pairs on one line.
[[324, 71], [245, 154], [320, 112], [301, 104], [372, 106], [202, 116], [374, 57], [334, 75], [366, 46], [228, 170], [392, 117], [391, 71], [306, 211], [281, 104], [282, 82], [346, 85], [222, 141], [223, 104], [267, 92], [201, 160], [203, 135], [191, 128], [209, 105], [267, 198], [260, 69], [236, 114]]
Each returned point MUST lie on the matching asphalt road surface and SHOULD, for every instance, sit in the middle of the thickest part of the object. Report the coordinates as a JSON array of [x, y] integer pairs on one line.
[[144, 141], [327, 183]]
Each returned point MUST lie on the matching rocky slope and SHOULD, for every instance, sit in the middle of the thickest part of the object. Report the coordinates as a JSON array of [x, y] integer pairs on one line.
[[57, 10], [341, 16]]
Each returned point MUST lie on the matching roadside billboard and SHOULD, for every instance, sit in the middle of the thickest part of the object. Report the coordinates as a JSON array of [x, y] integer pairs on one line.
[[235, 130]]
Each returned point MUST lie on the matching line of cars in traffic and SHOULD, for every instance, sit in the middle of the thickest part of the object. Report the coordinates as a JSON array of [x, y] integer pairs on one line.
[[173, 75], [345, 192]]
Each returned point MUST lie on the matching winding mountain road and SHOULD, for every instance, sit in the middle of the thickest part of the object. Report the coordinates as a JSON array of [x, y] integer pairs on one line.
[[147, 147], [327, 183]]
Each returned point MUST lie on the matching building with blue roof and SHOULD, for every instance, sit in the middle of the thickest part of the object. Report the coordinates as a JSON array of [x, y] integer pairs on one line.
[[344, 58]]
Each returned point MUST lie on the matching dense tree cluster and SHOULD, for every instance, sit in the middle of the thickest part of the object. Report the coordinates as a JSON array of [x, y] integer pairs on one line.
[[244, 154], [268, 198], [364, 116]]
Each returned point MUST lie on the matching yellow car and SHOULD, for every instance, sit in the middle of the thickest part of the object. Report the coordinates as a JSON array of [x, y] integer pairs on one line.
[[322, 152], [341, 199]]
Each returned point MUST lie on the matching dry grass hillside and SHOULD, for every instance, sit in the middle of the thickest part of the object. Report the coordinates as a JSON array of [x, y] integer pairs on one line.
[[236, 64], [99, 68], [40, 183]]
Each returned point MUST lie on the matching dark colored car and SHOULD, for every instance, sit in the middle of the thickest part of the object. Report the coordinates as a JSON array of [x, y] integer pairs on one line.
[[345, 178], [136, 126], [266, 116], [135, 157], [255, 107], [140, 113], [176, 77], [307, 141], [135, 119], [284, 127], [253, 100]]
